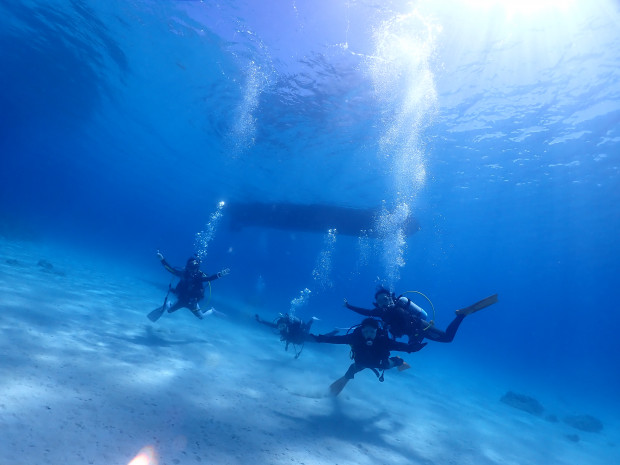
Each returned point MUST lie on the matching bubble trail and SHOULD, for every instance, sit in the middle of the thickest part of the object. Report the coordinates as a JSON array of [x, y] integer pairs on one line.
[[203, 238], [323, 268], [300, 301]]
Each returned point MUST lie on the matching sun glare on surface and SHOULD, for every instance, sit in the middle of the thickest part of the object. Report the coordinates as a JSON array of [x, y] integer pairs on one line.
[[522, 7]]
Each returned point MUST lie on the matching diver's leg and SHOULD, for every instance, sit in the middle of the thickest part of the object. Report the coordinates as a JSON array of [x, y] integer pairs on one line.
[[304, 333], [398, 362], [177, 305], [354, 368], [438, 335], [435, 334], [484, 303], [338, 385], [195, 308]]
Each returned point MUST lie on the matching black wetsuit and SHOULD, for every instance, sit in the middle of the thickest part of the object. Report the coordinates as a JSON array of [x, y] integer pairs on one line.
[[400, 322], [375, 356], [292, 329], [190, 289]]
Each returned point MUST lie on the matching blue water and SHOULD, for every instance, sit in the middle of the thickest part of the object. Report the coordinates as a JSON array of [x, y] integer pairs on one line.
[[124, 124]]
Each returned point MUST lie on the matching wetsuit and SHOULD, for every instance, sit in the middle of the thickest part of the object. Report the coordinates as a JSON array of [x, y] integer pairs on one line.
[[400, 322], [292, 329], [190, 289], [374, 356]]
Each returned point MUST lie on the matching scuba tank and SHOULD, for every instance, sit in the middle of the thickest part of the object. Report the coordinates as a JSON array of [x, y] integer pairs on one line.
[[409, 306]]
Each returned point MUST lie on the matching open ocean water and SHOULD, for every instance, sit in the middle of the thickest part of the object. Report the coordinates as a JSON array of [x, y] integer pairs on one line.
[[128, 127]]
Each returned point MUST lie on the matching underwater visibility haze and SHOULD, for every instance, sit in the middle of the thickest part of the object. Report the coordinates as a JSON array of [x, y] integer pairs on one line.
[[319, 149]]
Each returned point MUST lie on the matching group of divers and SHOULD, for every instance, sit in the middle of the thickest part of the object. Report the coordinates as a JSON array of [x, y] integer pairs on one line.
[[371, 341]]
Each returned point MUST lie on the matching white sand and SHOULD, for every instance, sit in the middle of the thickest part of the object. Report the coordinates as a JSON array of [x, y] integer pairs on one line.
[[87, 379]]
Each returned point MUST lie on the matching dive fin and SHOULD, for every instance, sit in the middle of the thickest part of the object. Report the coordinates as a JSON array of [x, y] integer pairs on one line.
[[156, 314], [484, 303], [338, 386], [404, 366]]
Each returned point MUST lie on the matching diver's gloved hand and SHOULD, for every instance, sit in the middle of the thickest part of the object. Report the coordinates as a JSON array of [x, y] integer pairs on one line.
[[159, 255], [415, 346], [224, 272]]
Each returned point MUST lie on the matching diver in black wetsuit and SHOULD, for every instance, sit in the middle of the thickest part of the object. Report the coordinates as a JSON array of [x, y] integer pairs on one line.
[[370, 348], [403, 317], [292, 330], [190, 289]]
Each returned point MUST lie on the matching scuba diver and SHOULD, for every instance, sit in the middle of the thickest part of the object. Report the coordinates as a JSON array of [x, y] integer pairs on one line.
[[190, 289], [403, 317], [292, 330], [370, 348]]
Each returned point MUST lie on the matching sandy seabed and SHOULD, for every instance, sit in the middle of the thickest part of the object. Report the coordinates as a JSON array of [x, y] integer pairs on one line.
[[88, 379]]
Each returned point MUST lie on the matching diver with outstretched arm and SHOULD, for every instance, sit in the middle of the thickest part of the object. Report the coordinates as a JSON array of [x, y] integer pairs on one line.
[[370, 348], [190, 289], [402, 317], [292, 330]]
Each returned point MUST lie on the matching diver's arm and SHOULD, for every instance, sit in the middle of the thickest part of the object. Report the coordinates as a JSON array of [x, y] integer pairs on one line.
[[166, 265], [361, 311], [332, 339], [267, 323], [215, 276]]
